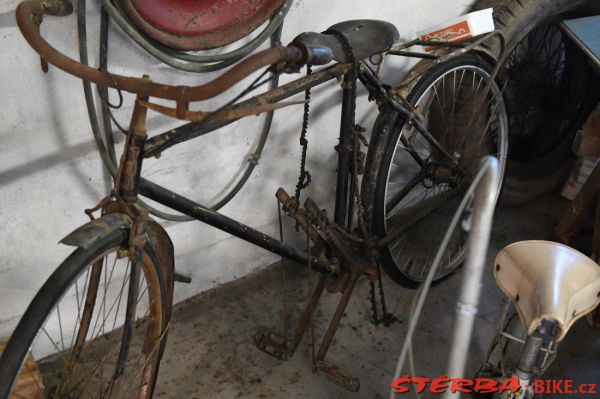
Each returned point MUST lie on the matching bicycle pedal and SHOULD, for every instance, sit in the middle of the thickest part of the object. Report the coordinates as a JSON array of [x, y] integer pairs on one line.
[[272, 344], [338, 376]]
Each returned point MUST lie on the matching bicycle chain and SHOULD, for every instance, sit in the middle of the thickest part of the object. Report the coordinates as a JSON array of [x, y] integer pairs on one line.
[[304, 177], [386, 318]]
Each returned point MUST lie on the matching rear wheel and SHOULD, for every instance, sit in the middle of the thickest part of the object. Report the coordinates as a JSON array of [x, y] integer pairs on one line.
[[413, 189], [70, 342]]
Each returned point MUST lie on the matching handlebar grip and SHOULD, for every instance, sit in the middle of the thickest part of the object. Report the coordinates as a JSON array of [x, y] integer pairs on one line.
[[319, 55]]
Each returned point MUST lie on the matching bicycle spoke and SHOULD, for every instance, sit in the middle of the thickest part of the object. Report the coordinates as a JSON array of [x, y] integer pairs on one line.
[[399, 196], [112, 306], [462, 110], [118, 300], [403, 220], [60, 328], [121, 295], [58, 351]]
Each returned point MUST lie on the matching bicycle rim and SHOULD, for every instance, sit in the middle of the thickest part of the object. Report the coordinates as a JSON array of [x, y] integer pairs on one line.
[[463, 109], [68, 342]]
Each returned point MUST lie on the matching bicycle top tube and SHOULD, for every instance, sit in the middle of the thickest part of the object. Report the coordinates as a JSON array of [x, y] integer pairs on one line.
[[30, 14]]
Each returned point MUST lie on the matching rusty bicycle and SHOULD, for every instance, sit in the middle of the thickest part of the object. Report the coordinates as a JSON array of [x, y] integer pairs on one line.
[[99, 324]]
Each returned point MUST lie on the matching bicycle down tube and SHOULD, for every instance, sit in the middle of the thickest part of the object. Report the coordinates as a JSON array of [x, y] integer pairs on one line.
[[246, 233]]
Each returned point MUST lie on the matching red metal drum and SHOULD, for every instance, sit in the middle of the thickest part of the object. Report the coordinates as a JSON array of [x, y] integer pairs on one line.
[[198, 24]]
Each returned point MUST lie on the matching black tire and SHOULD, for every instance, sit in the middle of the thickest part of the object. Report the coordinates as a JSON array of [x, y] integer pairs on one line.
[[516, 18], [449, 97], [88, 357], [551, 90]]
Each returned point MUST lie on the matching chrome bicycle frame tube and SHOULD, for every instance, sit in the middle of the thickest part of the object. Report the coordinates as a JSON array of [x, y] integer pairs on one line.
[[485, 189], [468, 303]]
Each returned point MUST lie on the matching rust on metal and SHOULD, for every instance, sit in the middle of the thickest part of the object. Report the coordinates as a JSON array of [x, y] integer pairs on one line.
[[198, 25], [29, 17], [129, 171], [337, 284], [161, 142], [300, 216], [312, 220], [85, 235], [308, 312], [338, 376], [88, 309], [163, 246], [222, 116], [58, 8], [272, 344]]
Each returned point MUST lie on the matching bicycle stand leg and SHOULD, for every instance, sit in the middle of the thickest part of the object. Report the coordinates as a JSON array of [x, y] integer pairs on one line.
[[332, 372], [308, 312], [277, 346]]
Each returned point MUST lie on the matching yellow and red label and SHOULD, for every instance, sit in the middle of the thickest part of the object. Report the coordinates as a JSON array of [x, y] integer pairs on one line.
[[454, 33]]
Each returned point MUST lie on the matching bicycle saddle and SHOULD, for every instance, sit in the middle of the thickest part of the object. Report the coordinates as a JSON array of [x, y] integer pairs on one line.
[[548, 280], [366, 37]]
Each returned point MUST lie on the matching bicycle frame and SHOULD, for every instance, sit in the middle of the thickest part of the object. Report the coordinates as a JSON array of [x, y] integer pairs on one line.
[[129, 183], [340, 257]]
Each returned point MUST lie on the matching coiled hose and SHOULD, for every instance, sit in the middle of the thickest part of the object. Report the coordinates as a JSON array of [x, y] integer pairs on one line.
[[193, 62], [103, 137]]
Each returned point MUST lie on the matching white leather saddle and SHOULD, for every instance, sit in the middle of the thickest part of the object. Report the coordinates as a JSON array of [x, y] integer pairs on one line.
[[548, 280]]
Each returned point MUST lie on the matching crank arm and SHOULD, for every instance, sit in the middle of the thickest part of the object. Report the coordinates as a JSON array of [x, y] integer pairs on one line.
[[337, 242]]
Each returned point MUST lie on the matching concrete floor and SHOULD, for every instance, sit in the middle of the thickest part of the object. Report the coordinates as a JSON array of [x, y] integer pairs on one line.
[[210, 352]]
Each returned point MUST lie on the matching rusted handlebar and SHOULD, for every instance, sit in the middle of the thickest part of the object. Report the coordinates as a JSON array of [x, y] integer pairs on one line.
[[29, 18]]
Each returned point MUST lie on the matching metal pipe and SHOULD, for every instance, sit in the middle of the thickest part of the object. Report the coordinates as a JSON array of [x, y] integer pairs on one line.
[[345, 141], [29, 16], [158, 143], [228, 225], [413, 54], [468, 303]]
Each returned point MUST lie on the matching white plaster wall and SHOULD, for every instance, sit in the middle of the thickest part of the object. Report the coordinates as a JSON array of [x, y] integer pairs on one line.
[[50, 170]]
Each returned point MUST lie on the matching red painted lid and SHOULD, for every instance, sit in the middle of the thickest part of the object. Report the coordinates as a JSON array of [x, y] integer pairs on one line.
[[199, 24]]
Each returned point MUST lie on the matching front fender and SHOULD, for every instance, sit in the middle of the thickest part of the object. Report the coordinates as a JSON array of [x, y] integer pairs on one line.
[[87, 234], [158, 238], [163, 247]]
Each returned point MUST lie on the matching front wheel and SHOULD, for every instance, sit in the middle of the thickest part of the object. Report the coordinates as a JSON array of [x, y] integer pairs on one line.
[[413, 187], [70, 342]]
